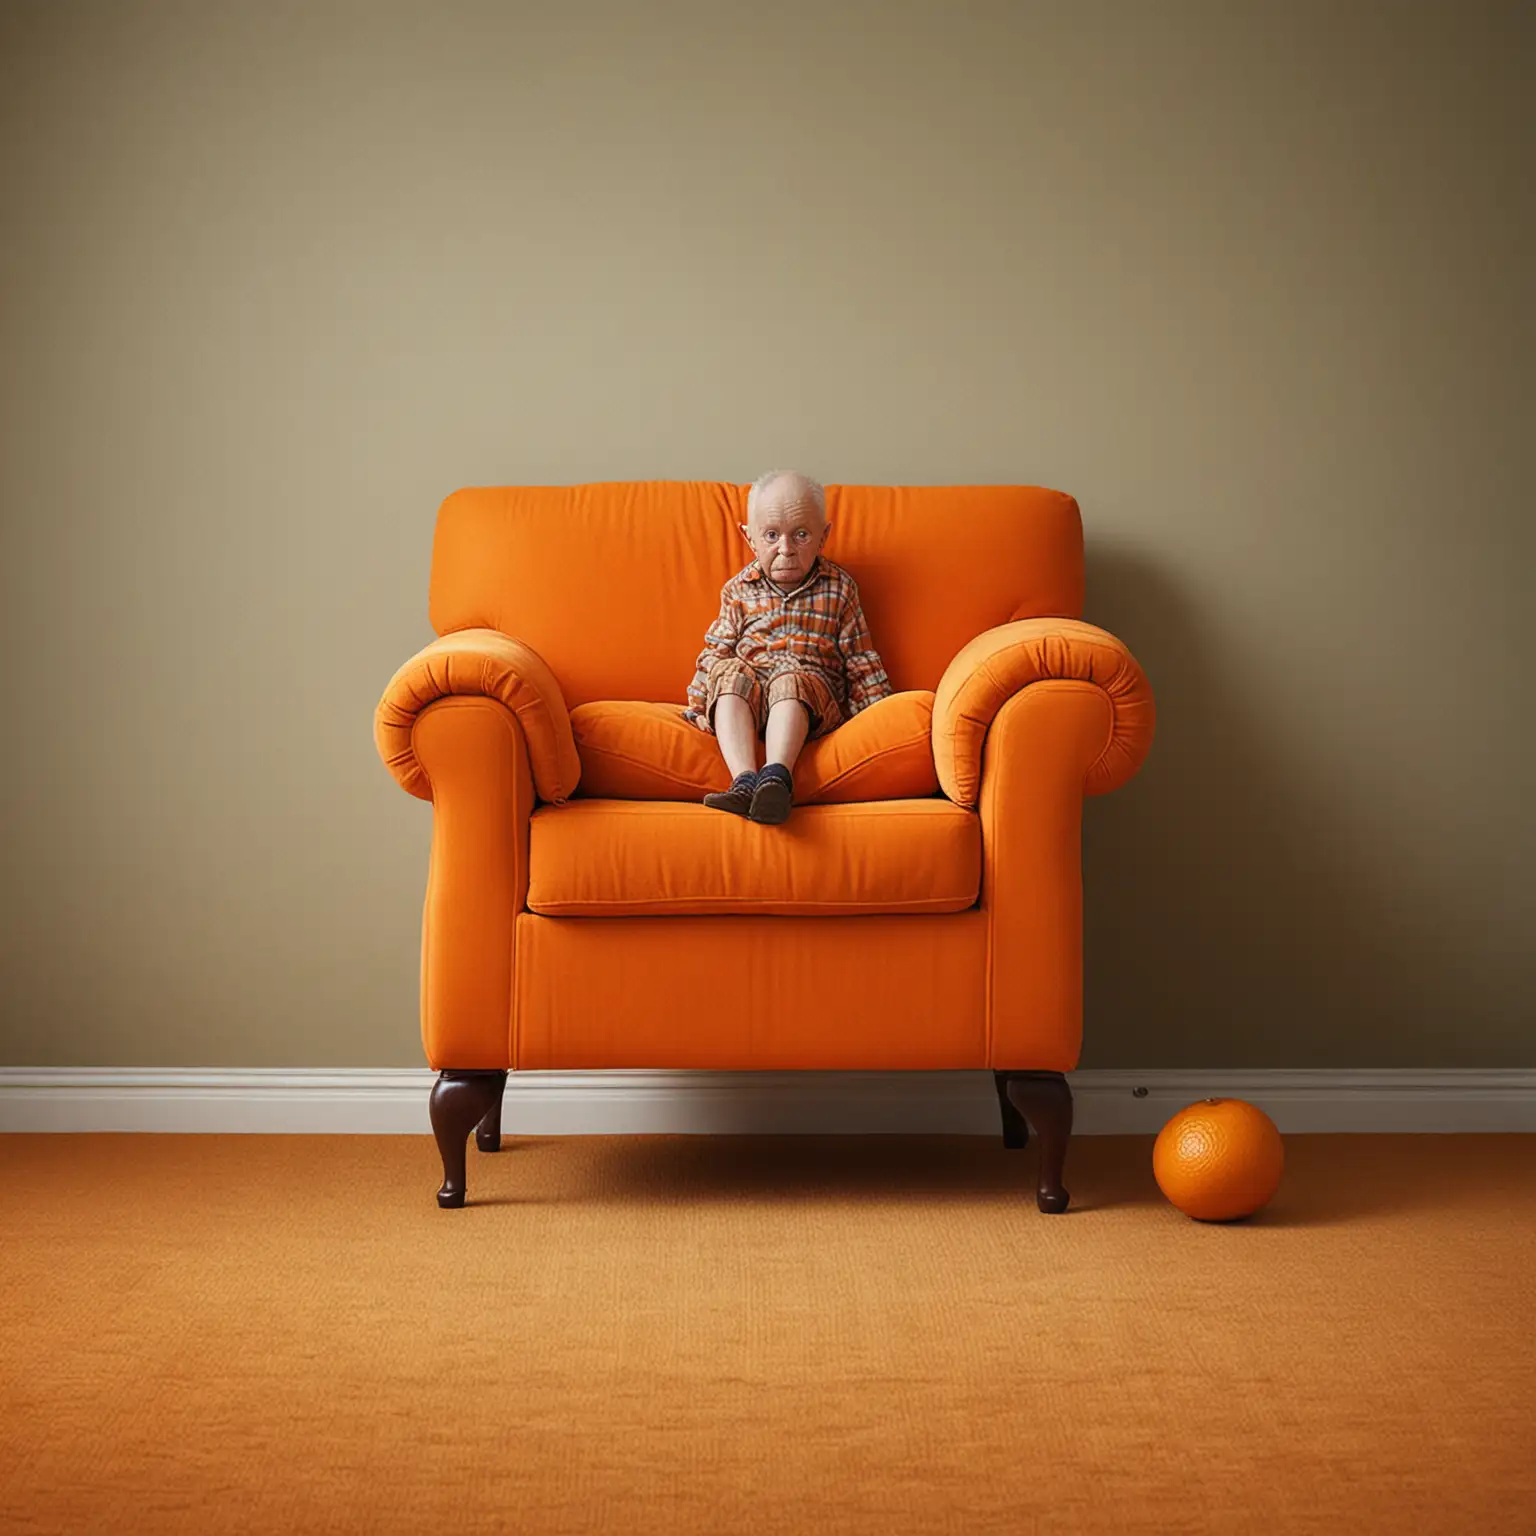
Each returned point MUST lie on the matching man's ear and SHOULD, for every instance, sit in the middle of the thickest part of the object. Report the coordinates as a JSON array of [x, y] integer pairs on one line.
[[746, 533], [826, 528]]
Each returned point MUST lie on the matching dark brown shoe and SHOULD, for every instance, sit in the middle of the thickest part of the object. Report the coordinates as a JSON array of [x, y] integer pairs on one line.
[[737, 799], [773, 796]]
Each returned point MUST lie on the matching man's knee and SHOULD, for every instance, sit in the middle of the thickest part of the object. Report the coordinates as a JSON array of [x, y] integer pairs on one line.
[[731, 706]]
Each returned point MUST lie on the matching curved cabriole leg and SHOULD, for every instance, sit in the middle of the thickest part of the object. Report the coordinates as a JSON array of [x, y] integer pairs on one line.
[[1045, 1101], [459, 1102], [488, 1132], [1015, 1127]]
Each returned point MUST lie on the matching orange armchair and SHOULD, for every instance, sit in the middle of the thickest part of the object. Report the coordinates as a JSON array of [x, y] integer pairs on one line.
[[922, 908]]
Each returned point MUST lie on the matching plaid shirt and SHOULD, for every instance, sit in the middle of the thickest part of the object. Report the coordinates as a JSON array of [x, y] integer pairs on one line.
[[818, 627]]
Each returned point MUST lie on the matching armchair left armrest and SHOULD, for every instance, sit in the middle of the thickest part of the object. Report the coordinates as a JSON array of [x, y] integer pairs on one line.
[[1001, 662]]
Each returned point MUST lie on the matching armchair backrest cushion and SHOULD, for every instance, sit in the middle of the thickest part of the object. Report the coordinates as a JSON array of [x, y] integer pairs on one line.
[[614, 584]]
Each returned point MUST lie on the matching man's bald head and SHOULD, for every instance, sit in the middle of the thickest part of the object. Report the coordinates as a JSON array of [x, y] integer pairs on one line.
[[786, 525], [779, 486]]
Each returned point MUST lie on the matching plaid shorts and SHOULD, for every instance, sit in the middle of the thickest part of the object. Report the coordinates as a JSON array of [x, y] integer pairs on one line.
[[730, 675]]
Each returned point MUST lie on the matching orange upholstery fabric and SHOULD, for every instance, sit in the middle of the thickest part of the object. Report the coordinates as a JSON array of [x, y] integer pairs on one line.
[[494, 666], [614, 585], [635, 751], [1042, 741], [482, 796], [781, 993], [1002, 661], [596, 858]]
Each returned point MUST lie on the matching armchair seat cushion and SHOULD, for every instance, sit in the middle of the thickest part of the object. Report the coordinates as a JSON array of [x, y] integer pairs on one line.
[[635, 751], [614, 858]]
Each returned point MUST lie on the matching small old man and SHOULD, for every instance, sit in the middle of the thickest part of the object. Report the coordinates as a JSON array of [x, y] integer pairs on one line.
[[789, 657]]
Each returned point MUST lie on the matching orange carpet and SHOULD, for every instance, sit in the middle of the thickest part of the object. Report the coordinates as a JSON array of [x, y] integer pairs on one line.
[[718, 1335]]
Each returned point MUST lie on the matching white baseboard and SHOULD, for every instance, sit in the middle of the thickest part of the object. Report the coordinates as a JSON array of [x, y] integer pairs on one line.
[[386, 1101]]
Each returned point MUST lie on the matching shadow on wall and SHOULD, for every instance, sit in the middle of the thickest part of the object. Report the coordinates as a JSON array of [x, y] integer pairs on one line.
[[1229, 918]]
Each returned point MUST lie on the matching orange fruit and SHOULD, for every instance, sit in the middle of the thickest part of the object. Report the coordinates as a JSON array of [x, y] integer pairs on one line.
[[1219, 1159]]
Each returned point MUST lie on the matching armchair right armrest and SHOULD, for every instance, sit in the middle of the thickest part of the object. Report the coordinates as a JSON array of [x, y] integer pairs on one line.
[[475, 722], [492, 665], [1001, 662]]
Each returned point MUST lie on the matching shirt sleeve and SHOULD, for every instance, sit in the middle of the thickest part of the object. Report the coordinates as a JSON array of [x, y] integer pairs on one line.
[[719, 642], [862, 667]]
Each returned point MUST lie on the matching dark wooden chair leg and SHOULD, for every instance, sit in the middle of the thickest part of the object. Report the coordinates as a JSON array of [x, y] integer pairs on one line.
[[488, 1132], [1015, 1126], [460, 1100], [1045, 1101]]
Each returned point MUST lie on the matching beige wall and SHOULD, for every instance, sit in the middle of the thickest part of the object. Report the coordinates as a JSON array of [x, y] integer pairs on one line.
[[1250, 279]]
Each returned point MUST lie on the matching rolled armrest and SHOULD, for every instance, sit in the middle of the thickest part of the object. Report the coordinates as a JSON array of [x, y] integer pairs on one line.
[[495, 666], [1000, 662]]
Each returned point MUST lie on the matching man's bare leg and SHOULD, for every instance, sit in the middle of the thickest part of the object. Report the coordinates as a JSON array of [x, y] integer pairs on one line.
[[736, 731], [788, 724]]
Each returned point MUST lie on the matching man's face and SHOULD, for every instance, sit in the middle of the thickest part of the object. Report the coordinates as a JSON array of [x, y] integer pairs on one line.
[[786, 532]]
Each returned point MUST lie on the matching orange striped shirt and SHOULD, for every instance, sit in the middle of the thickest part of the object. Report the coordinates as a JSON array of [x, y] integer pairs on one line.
[[817, 627]]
